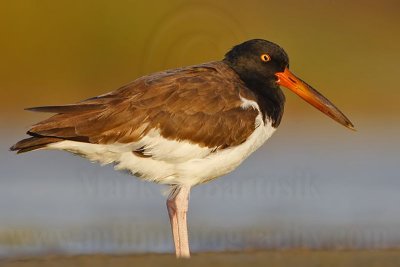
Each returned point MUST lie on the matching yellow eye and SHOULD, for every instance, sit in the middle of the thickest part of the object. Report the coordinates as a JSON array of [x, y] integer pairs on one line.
[[265, 57]]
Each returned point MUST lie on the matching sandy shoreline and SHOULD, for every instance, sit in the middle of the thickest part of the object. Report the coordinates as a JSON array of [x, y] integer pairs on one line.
[[285, 258]]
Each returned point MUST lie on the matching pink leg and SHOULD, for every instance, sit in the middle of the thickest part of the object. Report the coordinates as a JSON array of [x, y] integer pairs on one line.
[[177, 204]]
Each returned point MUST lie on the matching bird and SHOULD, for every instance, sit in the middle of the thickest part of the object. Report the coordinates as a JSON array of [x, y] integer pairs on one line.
[[182, 127]]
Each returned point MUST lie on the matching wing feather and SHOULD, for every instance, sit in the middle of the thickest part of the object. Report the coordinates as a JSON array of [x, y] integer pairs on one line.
[[200, 104]]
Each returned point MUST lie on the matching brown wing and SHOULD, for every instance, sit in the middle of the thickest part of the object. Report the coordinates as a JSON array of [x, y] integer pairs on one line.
[[200, 104]]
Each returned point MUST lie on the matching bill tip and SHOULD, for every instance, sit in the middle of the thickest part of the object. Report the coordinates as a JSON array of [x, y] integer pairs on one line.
[[351, 127]]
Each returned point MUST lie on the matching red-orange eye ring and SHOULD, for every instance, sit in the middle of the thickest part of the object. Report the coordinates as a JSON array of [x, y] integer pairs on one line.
[[265, 57]]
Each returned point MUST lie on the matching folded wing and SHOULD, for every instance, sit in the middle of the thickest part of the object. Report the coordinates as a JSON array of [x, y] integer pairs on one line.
[[200, 104]]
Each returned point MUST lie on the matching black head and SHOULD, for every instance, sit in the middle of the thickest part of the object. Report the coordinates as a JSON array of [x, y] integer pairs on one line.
[[257, 61], [263, 66]]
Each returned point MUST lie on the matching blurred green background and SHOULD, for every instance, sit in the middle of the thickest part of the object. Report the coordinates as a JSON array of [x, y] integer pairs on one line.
[[63, 51], [324, 177]]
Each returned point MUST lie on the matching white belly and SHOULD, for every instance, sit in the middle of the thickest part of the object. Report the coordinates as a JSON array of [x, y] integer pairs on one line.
[[172, 162], [221, 162]]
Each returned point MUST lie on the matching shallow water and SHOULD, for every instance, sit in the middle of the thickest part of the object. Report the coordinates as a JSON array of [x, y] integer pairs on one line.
[[318, 185]]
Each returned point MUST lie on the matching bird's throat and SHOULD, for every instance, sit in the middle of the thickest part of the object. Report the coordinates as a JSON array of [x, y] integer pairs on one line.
[[270, 97]]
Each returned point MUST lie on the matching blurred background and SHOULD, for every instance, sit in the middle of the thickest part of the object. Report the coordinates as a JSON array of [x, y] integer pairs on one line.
[[314, 184]]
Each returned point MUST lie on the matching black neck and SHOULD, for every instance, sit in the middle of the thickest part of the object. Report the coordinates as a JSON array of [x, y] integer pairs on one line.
[[270, 97]]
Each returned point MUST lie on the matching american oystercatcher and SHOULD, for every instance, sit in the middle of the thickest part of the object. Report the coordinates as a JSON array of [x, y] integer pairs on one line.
[[182, 127]]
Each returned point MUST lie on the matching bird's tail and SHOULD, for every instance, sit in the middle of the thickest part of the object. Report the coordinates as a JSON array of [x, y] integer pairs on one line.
[[33, 143]]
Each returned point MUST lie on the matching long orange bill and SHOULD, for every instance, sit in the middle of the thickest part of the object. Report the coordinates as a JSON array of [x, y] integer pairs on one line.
[[312, 96]]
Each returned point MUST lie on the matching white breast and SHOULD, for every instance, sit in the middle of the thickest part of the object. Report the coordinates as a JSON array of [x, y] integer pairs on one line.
[[174, 162], [223, 161]]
